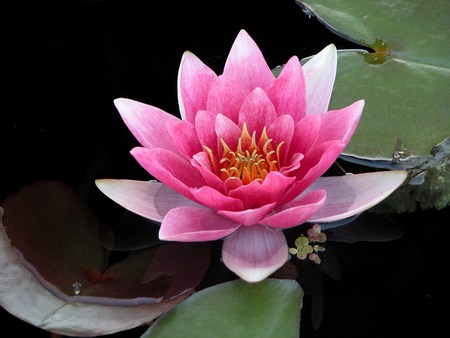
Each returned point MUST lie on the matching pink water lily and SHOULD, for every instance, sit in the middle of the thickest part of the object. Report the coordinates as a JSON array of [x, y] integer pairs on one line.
[[246, 158]]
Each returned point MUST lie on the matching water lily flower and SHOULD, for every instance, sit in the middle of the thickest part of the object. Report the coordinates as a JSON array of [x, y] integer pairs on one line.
[[246, 158]]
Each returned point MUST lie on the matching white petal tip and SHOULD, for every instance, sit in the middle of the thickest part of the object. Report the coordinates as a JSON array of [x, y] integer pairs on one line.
[[330, 48], [255, 252], [256, 275]]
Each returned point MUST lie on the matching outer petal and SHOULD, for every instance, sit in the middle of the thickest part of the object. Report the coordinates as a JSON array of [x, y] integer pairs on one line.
[[255, 252], [340, 124], [169, 168], [351, 194], [146, 123], [320, 73], [287, 92], [148, 199], [246, 64], [194, 82], [190, 224], [296, 212]]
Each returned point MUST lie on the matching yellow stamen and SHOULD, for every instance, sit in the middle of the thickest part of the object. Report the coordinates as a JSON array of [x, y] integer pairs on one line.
[[251, 161]]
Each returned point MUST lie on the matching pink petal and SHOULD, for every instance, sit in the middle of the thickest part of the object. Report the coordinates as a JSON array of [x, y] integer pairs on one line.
[[281, 130], [206, 136], [293, 164], [320, 73], [146, 123], [306, 132], [273, 188], [255, 252], [202, 160], [191, 224], [184, 136], [312, 167], [232, 183], [148, 199], [257, 194], [227, 130], [246, 193], [246, 64], [226, 97], [215, 200], [169, 168], [349, 195], [202, 163], [248, 216], [257, 111], [296, 212], [287, 92], [318, 161], [340, 124], [194, 82]]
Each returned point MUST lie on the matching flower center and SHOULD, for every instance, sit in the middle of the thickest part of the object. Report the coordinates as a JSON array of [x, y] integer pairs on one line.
[[251, 161]]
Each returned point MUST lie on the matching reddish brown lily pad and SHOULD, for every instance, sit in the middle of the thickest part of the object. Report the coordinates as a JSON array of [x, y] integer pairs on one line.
[[52, 250]]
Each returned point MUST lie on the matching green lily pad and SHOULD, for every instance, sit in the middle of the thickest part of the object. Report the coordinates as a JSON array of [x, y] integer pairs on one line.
[[270, 308], [405, 82]]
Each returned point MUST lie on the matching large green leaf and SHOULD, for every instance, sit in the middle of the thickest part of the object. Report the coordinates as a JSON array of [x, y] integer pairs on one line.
[[405, 83], [235, 309]]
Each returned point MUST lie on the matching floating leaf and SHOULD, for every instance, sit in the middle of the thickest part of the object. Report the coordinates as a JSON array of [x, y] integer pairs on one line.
[[270, 308], [405, 82], [55, 274]]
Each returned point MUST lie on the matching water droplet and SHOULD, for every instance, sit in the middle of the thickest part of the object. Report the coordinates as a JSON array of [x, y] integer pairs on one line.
[[76, 288]]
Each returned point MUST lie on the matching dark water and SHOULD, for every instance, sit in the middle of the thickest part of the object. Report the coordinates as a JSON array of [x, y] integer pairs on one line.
[[69, 60]]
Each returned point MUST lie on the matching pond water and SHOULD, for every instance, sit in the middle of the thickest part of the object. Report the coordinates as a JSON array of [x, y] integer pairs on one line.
[[72, 60]]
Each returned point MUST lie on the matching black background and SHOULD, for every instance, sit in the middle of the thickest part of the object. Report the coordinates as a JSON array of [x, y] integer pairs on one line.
[[68, 60]]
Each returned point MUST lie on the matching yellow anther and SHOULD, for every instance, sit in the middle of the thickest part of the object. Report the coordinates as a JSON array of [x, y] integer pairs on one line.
[[251, 161]]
